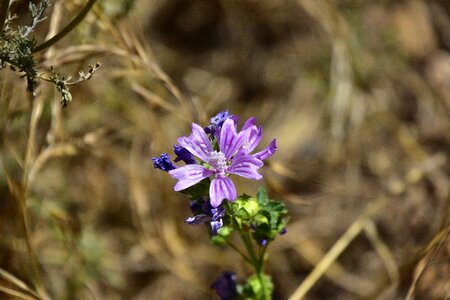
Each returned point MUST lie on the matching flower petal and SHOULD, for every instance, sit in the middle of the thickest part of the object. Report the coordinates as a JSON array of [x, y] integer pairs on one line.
[[255, 134], [197, 143], [189, 175], [222, 188], [249, 123], [230, 141], [254, 138], [246, 165], [268, 151]]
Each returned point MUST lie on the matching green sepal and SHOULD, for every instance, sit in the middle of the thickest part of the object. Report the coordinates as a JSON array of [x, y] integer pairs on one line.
[[245, 207], [222, 235], [254, 289]]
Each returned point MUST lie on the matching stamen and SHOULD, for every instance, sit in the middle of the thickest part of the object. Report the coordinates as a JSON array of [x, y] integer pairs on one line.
[[218, 161]]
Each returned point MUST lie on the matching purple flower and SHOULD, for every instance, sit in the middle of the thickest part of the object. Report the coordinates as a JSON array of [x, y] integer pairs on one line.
[[207, 213], [163, 162], [183, 154], [225, 286], [232, 157]]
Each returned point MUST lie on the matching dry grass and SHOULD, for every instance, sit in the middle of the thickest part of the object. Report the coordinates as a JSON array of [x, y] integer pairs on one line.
[[357, 99]]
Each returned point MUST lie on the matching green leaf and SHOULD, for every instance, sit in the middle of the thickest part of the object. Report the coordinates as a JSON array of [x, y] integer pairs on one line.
[[262, 196]]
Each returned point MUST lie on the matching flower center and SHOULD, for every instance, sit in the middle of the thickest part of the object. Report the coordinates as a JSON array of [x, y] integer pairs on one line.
[[218, 161]]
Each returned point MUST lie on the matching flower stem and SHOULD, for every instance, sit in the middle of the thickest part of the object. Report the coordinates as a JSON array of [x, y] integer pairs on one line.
[[257, 263]]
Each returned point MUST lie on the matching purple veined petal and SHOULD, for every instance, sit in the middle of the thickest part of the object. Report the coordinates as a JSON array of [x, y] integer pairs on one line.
[[268, 151], [254, 138], [189, 175], [235, 119], [222, 188], [230, 141], [249, 123], [242, 157], [246, 165], [255, 134], [197, 143]]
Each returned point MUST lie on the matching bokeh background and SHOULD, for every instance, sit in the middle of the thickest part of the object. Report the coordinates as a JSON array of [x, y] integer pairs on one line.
[[356, 92]]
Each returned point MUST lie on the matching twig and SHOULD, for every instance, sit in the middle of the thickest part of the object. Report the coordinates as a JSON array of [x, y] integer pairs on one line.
[[337, 249], [36, 14], [418, 275], [69, 27], [17, 282], [16, 294]]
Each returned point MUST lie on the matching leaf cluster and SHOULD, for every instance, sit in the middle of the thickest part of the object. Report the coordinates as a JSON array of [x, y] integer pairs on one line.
[[254, 289], [262, 217]]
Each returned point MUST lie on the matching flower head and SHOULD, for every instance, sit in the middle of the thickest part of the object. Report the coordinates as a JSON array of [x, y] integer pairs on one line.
[[231, 157]]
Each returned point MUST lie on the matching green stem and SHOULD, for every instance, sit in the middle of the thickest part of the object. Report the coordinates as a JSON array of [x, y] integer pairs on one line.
[[257, 263], [235, 248], [69, 27]]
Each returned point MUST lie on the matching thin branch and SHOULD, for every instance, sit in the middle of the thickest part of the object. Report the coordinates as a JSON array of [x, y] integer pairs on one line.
[[69, 27], [352, 232], [419, 274], [36, 16]]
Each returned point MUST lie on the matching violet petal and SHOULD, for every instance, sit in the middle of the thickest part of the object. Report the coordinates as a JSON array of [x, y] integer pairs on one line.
[[189, 175], [197, 143], [222, 188], [230, 141], [268, 151], [246, 165]]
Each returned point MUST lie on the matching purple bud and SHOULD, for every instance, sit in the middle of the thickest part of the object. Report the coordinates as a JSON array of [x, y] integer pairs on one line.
[[264, 242], [283, 231], [163, 163], [196, 206], [215, 226], [217, 213], [225, 286], [183, 154], [197, 219], [217, 122]]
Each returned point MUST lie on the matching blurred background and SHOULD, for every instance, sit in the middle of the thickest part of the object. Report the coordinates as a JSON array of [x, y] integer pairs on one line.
[[356, 92]]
